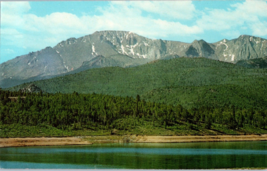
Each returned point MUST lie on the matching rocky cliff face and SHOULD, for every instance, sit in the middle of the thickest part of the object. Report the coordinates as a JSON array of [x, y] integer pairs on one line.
[[120, 48], [243, 48]]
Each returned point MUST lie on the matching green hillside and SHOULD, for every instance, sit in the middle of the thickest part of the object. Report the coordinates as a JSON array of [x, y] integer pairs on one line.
[[38, 114], [254, 63], [190, 82]]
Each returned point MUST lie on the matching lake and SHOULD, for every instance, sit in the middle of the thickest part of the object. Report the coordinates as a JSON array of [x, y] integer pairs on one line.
[[138, 156]]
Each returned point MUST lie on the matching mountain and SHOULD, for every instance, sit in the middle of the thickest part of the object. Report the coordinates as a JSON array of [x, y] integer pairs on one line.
[[120, 48], [113, 60], [243, 48], [191, 82]]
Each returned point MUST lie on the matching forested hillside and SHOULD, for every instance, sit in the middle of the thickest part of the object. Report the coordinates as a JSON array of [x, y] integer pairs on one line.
[[254, 63], [95, 114], [190, 82]]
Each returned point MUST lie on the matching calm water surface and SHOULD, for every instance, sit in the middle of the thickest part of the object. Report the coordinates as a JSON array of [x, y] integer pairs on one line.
[[139, 156]]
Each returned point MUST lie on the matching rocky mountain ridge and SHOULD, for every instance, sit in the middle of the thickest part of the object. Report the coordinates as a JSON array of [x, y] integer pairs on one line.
[[120, 48]]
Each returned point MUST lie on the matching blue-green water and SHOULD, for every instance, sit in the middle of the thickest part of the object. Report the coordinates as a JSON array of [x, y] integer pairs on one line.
[[139, 156]]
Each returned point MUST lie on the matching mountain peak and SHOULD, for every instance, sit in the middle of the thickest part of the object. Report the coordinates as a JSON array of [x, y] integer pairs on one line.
[[113, 32], [250, 38], [246, 37], [195, 41], [199, 42], [122, 48]]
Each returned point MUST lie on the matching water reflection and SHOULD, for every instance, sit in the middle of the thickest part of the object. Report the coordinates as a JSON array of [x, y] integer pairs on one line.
[[139, 156]]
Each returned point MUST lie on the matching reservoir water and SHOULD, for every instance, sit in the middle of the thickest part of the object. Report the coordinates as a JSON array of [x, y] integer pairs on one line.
[[139, 156]]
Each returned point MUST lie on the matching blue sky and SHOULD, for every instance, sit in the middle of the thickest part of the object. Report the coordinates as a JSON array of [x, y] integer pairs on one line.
[[31, 26]]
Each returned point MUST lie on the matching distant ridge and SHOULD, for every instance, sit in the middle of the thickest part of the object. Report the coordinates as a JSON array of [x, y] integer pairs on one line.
[[120, 48]]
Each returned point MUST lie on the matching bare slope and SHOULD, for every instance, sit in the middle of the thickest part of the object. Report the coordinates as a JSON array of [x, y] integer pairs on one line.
[[120, 48]]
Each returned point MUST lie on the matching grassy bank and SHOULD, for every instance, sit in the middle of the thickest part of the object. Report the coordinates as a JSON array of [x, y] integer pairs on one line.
[[143, 128]]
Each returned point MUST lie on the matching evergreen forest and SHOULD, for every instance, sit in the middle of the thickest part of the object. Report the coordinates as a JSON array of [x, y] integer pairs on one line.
[[45, 114], [181, 96], [190, 82]]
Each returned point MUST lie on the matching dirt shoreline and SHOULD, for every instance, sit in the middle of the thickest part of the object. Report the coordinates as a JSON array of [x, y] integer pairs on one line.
[[42, 141], [86, 140]]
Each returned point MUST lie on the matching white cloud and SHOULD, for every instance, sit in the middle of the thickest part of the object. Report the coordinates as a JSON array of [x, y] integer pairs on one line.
[[39, 32], [9, 51], [250, 7], [231, 34], [259, 28], [251, 14], [129, 18], [153, 19], [174, 9], [18, 7], [174, 28], [10, 36]]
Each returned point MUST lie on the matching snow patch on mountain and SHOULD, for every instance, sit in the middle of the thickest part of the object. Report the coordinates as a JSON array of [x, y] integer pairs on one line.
[[129, 33], [222, 43], [141, 56], [145, 43], [132, 51], [93, 48], [94, 53], [66, 67], [135, 45], [123, 51], [233, 58], [45, 68]]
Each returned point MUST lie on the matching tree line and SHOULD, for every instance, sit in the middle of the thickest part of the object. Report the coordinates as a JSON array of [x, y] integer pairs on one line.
[[98, 111]]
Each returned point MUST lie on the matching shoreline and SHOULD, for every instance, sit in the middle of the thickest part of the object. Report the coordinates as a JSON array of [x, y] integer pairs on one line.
[[41, 141], [87, 140]]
